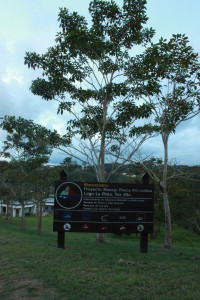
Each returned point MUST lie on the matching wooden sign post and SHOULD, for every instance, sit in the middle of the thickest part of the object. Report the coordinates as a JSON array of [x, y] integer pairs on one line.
[[61, 234], [144, 235]]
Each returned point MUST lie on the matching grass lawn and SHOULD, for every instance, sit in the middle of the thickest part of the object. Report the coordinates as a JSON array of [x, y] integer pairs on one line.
[[32, 267]]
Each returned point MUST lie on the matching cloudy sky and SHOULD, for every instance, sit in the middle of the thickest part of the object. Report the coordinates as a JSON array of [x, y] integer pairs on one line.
[[31, 25]]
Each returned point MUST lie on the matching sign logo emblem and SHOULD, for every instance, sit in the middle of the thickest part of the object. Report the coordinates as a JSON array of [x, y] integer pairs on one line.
[[67, 216], [104, 218], [122, 217], [86, 216], [85, 227], [122, 228], [67, 226], [68, 195], [104, 227], [140, 228]]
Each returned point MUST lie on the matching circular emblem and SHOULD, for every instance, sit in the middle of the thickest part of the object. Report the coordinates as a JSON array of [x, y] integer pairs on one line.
[[140, 228], [67, 226], [68, 195]]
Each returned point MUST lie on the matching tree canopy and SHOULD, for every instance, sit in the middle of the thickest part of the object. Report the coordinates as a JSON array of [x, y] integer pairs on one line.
[[167, 74], [87, 73], [26, 141]]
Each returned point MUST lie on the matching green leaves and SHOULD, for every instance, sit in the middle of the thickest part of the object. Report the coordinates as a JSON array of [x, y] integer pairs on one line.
[[145, 129], [27, 141], [43, 88], [32, 60], [114, 30], [167, 73], [128, 112]]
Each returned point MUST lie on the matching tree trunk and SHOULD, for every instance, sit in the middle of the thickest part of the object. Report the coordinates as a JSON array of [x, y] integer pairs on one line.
[[164, 184], [168, 230], [1, 209], [7, 214], [100, 238], [23, 218], [40, 219], [11, 214]]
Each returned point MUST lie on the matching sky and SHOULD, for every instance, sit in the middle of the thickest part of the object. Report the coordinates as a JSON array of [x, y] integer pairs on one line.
[[31, 25]]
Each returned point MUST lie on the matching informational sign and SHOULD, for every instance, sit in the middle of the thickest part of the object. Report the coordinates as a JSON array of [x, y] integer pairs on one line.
[[103, 207]]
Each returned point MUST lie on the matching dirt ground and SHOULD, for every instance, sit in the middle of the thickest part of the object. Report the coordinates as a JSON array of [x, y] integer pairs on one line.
[[26, 290]]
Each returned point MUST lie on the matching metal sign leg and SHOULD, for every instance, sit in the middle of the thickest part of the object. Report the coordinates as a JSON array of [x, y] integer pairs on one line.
[[61, 239], [144, 242]]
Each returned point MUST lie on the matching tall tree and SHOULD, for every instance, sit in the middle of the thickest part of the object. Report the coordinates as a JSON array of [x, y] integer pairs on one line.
[[7, 191], [168, 76], [27, 145], [86, 72], [42, 186]]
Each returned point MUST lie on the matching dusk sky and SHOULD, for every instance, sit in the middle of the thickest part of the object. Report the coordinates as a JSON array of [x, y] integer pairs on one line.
[[31, 25]]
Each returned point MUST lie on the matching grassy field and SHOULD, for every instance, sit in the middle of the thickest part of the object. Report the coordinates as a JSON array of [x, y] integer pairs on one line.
[[32, 267]]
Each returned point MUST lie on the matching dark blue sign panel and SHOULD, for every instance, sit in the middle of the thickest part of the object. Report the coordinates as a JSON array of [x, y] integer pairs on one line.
[[103, 207]]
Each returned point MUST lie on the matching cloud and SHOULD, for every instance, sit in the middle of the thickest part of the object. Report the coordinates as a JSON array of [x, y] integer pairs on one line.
[[12, 74], [183, 146], [52, 120]]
